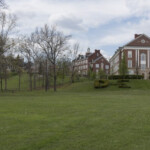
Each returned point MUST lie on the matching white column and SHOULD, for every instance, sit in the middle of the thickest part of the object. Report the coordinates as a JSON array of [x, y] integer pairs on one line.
[[148, 58], [138, 58]]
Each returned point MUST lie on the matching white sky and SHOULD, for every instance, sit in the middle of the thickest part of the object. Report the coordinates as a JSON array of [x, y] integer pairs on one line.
[[98, 24]]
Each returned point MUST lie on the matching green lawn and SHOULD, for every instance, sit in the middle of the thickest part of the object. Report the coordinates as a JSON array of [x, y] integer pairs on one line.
[[77, 117]]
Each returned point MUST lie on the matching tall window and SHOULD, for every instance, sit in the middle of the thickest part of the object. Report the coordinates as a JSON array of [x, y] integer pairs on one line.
[[107, 67], [97, 65], [143, 61], [102, 66], [129, 54], [129, 63], [143, 66], [143, 57]]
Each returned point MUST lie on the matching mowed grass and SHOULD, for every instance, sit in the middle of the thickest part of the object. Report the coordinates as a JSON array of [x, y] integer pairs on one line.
[[77, 117]]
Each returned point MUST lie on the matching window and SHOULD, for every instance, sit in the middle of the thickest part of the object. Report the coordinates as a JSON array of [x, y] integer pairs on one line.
[[122, 55], [129, 63], [97, 65], [143, 66], [116, 59], [143, 57], [107, 67], [102, 66], [143, 61], [129, 54], [131, 72], [97, 54]]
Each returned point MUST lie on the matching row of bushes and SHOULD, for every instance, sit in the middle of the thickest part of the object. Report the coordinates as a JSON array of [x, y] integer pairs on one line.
[[122, 83], [101, 83], [116, 77]]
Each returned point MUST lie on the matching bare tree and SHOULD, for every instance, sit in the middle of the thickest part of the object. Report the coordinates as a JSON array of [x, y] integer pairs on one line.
[[7, 25], [36, 56], [53, 44], [2, 4], [74, 54], [25, 49]]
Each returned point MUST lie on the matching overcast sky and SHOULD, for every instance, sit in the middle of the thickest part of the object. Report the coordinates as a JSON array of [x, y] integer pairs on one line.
[[98, 24]]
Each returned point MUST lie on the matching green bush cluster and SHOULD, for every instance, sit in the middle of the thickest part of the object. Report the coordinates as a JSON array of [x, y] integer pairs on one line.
[[116, 77], [101, 83]]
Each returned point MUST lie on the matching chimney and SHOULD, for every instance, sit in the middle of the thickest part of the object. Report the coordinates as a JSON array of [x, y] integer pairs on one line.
[[97, 51], [136, 35]]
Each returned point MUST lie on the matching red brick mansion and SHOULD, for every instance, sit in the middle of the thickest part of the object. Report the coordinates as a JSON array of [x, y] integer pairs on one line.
[[95, 61], [137, 55]]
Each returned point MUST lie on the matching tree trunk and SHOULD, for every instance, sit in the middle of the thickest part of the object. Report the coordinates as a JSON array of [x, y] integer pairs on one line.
[[55, 78], [72, 78], [43, 80], [1, 80], [30, 81], [19, 81], [30, 77], [5, 79], [34, 81], [46, 77]]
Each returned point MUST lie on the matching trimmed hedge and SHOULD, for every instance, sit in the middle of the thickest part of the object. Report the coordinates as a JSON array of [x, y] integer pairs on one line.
[[122, 83], [116, 77], [101, 83], [123, 80]]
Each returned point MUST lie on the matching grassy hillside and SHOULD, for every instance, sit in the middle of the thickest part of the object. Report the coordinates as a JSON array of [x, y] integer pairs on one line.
[[83, 85], [77, 117], [88, 86], [13, 82]]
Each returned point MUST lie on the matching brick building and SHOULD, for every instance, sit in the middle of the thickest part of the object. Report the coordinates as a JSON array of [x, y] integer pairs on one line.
[[137, 55], [95, 61]]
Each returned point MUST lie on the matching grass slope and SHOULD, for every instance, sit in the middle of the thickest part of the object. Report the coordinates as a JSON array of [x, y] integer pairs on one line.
[[77, 117]]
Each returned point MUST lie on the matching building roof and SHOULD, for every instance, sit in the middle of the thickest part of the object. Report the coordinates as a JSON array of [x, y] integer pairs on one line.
[[141, 40], [137, 41]]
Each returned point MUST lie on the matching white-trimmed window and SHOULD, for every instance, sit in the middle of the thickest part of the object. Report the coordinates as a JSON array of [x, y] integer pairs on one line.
[[129, 54], [143, 61], [143, 57], [122, 55], [106, 67], [102, 66], [97, 65], [131, 72], [143, 66], [129, 63]]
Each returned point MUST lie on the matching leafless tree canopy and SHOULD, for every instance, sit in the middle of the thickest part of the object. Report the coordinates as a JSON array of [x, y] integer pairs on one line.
[[52, 42], [2, 4], [73, 55], [7, 25]]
